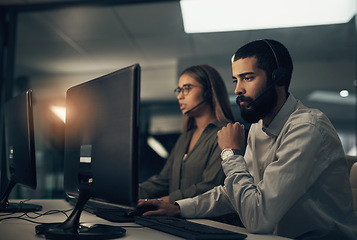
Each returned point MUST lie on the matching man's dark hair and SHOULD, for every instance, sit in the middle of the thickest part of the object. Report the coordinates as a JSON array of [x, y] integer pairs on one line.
[[266, 59]]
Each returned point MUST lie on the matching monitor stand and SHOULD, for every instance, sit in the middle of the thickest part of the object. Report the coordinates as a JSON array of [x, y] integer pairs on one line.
[[72, 229], [15, 207]]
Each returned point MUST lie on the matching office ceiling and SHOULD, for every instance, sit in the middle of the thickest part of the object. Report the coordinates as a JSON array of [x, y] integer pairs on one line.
[[58, 48]]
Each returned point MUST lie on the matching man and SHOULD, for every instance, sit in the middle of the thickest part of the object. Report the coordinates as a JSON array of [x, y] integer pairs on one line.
[[292, 180]]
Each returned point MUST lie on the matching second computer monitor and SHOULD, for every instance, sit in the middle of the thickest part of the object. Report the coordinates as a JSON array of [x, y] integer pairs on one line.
[[20, 150]]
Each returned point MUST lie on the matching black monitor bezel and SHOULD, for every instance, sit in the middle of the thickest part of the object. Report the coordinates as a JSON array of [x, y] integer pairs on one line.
[[20, 150], [19, 138], [73, 167]]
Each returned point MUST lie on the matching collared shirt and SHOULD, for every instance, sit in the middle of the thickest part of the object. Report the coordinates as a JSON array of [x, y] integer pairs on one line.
[[188, 174], [292, 180]]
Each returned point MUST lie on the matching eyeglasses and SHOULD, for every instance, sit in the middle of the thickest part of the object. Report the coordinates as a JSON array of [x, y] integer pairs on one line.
[[185, 89]]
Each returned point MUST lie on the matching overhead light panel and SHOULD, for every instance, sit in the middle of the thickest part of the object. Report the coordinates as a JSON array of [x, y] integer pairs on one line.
[[201, 16]]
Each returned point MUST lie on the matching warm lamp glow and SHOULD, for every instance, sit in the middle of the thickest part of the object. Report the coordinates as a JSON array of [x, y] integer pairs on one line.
[[235, 15], [60, 112]]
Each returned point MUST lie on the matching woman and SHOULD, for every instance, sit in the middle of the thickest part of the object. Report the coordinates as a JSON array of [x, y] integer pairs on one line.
[[194, 165]]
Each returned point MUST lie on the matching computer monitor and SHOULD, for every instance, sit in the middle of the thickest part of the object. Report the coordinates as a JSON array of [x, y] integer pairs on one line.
[[20, 150], [101, 150]]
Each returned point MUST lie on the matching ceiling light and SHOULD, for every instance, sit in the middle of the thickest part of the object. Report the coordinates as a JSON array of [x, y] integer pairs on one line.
[[344, 93], [234, 15], [332, 97]]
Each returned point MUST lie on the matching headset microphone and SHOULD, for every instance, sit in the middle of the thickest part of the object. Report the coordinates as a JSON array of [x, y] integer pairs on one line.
[[264, 92], [204, 100]]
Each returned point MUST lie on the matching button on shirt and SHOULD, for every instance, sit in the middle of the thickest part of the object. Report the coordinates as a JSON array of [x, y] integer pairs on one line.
[[292, 180]]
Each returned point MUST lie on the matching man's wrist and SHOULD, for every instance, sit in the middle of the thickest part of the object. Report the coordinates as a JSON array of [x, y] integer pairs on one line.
[[228, 152], [177, 212]]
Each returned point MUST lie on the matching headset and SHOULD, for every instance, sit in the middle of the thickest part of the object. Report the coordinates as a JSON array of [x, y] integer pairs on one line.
[[280, 75]]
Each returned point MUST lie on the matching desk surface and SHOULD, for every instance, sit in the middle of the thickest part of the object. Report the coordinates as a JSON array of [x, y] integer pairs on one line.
[[15, 229]]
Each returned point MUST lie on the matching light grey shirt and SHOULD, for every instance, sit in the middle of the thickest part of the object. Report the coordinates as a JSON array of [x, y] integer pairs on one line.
[[292, 180]]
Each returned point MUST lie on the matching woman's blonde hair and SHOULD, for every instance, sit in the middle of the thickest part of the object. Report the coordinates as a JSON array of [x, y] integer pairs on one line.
[[215, 92]]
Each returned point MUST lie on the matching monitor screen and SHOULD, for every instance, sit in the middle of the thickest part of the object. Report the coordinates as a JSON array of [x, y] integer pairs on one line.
[[101, 137], [101, 148], [20, 149]]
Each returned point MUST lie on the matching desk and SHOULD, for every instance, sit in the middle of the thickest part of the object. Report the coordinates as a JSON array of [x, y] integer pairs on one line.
[[17, 229]]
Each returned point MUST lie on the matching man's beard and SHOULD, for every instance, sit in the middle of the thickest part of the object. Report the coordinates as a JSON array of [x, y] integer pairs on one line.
[[260, 108]]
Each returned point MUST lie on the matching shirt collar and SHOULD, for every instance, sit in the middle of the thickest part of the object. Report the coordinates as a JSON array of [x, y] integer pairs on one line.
[[215, 124], [281, 117], [218, 123]]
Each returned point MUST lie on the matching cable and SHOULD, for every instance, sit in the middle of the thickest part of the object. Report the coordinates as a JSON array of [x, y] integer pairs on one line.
[[25, 216]]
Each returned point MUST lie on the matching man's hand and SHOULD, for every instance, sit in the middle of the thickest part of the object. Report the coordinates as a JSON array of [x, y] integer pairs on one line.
[[165, 199], [231, 136], [163, 208]]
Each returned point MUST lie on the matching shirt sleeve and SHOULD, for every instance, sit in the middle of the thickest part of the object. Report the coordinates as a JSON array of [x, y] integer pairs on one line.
[[158, 185], [210, 204], [285, 180]]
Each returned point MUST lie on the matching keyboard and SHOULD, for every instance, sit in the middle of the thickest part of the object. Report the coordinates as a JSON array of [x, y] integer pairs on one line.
[[186, 229], [121, 214], [116, 214]]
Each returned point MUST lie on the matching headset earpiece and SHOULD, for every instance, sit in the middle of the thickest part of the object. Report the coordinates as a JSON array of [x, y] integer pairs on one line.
[[280, 75], [207, 94]]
